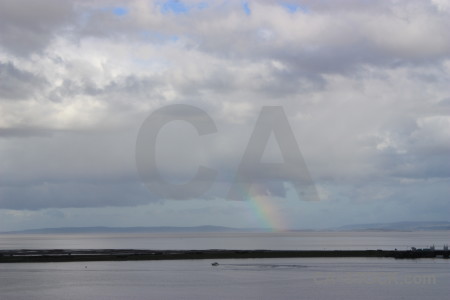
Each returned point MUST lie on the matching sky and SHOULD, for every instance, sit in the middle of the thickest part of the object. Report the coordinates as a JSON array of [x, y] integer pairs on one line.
[[364, 86]]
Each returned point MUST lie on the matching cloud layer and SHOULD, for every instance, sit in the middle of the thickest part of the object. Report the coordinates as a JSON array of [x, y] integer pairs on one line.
[[364, 86]]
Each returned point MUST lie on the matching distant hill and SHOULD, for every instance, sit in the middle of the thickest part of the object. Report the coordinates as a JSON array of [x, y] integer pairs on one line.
[[398, 226], [101, 229]]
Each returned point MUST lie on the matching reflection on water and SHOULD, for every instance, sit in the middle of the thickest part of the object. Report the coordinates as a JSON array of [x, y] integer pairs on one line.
[[300, 278], [197, 241], [260, 266], [289, 278]]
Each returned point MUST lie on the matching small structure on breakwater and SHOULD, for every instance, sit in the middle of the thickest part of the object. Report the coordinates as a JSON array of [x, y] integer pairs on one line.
[[423, 253]]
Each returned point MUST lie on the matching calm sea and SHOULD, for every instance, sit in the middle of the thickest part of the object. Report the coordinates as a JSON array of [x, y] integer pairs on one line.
[[271, 241], [290, 278], [326, 278]]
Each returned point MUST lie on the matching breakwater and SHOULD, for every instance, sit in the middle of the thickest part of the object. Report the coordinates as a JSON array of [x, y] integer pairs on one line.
[[67, 255]]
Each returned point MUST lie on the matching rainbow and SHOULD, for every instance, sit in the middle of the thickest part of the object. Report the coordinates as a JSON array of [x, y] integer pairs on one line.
[[266, 208]]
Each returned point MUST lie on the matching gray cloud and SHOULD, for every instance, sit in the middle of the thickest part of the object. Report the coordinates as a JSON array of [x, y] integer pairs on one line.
[[28, 26], [364, 84], [24, 132], [16, 84], [72, 195]]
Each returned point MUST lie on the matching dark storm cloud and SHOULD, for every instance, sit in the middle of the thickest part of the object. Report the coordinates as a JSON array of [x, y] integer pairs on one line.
[[73, 194], [24, 132], [364, 84], [28, 26], [126, 88], [16, 84]]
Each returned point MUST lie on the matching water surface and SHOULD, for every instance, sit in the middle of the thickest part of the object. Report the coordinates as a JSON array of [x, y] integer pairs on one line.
[[299, 278], [197, 241]]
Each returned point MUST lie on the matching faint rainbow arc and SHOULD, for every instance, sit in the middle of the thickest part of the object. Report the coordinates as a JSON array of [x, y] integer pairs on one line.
[[266, 208]]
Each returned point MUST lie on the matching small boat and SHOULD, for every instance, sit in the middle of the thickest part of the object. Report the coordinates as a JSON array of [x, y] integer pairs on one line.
[[215, 264]]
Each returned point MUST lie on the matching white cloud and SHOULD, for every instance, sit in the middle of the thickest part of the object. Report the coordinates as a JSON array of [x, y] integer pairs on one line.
[[365, 87]]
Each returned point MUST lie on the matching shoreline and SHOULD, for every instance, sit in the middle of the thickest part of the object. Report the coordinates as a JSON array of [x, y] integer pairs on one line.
[[68, 255]]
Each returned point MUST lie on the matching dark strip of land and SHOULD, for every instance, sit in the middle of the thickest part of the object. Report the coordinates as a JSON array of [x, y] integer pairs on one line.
[[24, 256]]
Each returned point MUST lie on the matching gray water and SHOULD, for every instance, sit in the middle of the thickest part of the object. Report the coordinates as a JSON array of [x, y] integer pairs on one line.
[[289, 278], [300, 278], [221, 240]]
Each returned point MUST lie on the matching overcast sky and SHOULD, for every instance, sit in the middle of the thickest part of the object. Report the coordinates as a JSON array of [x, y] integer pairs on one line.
[[365, 86]]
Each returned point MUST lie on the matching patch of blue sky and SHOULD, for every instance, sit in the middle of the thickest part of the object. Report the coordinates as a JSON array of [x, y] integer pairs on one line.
[[293, 8], [202, 5], [120, 11], [179, 7], [246, 8]]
